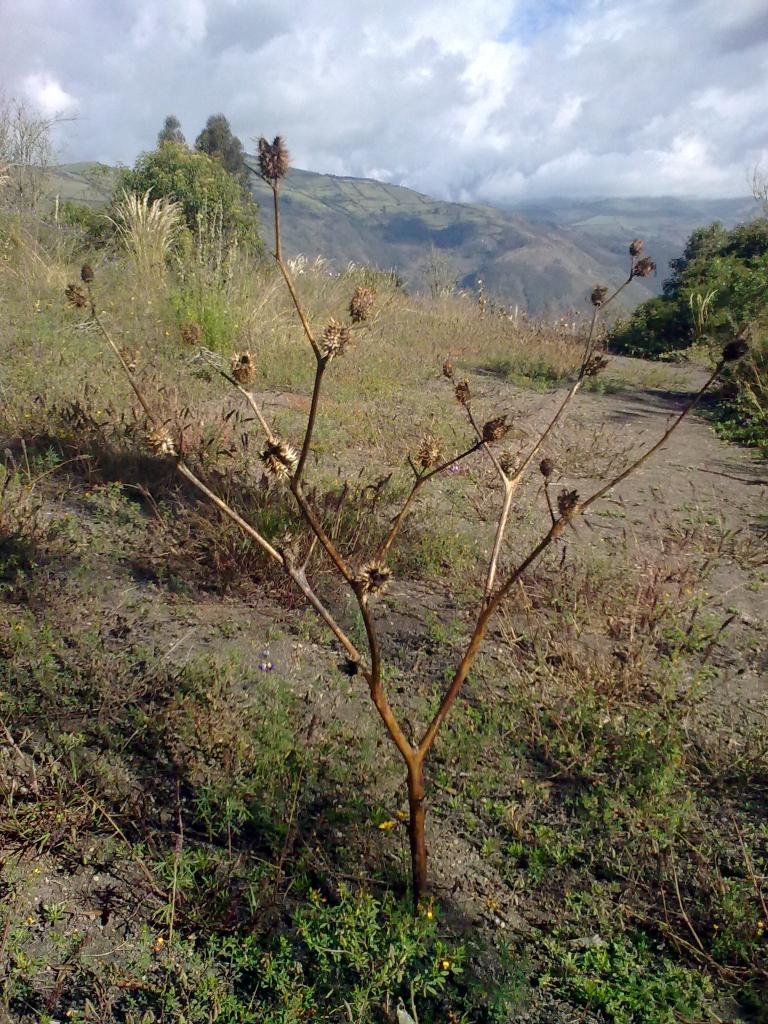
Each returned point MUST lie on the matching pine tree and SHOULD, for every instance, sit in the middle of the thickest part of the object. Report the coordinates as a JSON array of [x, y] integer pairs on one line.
[[217, 140], [171, 132]]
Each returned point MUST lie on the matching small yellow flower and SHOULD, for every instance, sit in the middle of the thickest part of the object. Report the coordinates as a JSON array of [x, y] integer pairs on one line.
[[430, 915], [445, 964], [385, 826], [30, 919]]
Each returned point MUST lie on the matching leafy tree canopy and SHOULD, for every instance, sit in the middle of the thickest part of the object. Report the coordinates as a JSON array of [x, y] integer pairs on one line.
[[718, 282], [171, 132], [217, 140], [207, 192]]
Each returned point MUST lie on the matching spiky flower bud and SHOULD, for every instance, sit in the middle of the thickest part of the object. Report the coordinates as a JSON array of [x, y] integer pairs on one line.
[[508, 461], [448, 369], [280, 459], [636, 247], [336, 338], [430, 451], [191, 333], [546, 468], [374, 577], [160, 442], [243, 368], [599, 295], [594, 365], [86, 273], [76, 296], [360, 304], [644, 267], [495, 429], [461, 391], [274, 159], [735, 350], [567, 502]]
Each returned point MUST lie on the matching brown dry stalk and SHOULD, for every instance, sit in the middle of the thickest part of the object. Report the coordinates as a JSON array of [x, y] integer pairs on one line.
[[413, 755]]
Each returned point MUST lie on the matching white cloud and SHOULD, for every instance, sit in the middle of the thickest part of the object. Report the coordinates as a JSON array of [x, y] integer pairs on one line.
[[492, 99], [46, 93]]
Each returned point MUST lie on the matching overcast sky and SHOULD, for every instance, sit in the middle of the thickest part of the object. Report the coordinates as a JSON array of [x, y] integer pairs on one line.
[[481, 99]]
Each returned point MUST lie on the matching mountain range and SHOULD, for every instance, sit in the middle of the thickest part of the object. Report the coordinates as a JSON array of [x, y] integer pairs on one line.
[[543, 256]]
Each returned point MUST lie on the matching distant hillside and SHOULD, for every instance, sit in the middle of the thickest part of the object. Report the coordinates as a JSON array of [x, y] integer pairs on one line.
[[544, 256], [664, 224], [534, 264]]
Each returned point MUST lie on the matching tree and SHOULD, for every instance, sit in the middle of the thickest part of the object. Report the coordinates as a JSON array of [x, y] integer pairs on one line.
[[217, 140], [203, 188], [26, 152], [171, 132]]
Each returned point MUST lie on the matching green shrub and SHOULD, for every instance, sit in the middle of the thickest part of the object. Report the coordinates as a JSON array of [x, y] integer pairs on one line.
[[742, 413], [203, 188], [91, 222], [730, 266]]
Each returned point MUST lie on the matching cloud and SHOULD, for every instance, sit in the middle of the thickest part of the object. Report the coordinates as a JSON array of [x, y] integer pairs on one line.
[[491, 99], [47, 95]]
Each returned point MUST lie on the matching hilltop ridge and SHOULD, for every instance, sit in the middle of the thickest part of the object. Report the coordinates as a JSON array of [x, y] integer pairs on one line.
[[542, 255]]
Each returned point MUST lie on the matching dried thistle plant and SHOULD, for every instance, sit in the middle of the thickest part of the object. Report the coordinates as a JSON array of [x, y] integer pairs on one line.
[[288, 464]]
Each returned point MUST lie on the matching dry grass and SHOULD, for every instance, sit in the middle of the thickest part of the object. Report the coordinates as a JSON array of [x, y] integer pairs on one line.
[[147, 228]]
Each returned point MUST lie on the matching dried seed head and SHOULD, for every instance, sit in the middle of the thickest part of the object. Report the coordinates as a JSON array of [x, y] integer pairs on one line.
[[599, 295], [461, 391], [191, 333], [448, 369], [243, 368], [644, 267], [636, 247], [495, 429], [76, 296], [735, 350], [160, 442], [508, 461], [567, 502], [594, 365], [86, 273], [336, 338], [273, 159], [546, 468], [374, 577], [430, 451], [360, 304], [280, 459]]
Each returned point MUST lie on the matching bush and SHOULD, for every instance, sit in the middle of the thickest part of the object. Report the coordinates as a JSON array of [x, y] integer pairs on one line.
[[91, 222], [203, 188], [742, 414], [724, 270]]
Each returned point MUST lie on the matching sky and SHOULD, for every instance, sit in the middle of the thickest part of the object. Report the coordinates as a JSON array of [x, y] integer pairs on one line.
[[491, 100]]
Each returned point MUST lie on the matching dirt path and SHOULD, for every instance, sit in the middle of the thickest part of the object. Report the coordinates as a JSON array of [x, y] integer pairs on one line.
[[713, 496]]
